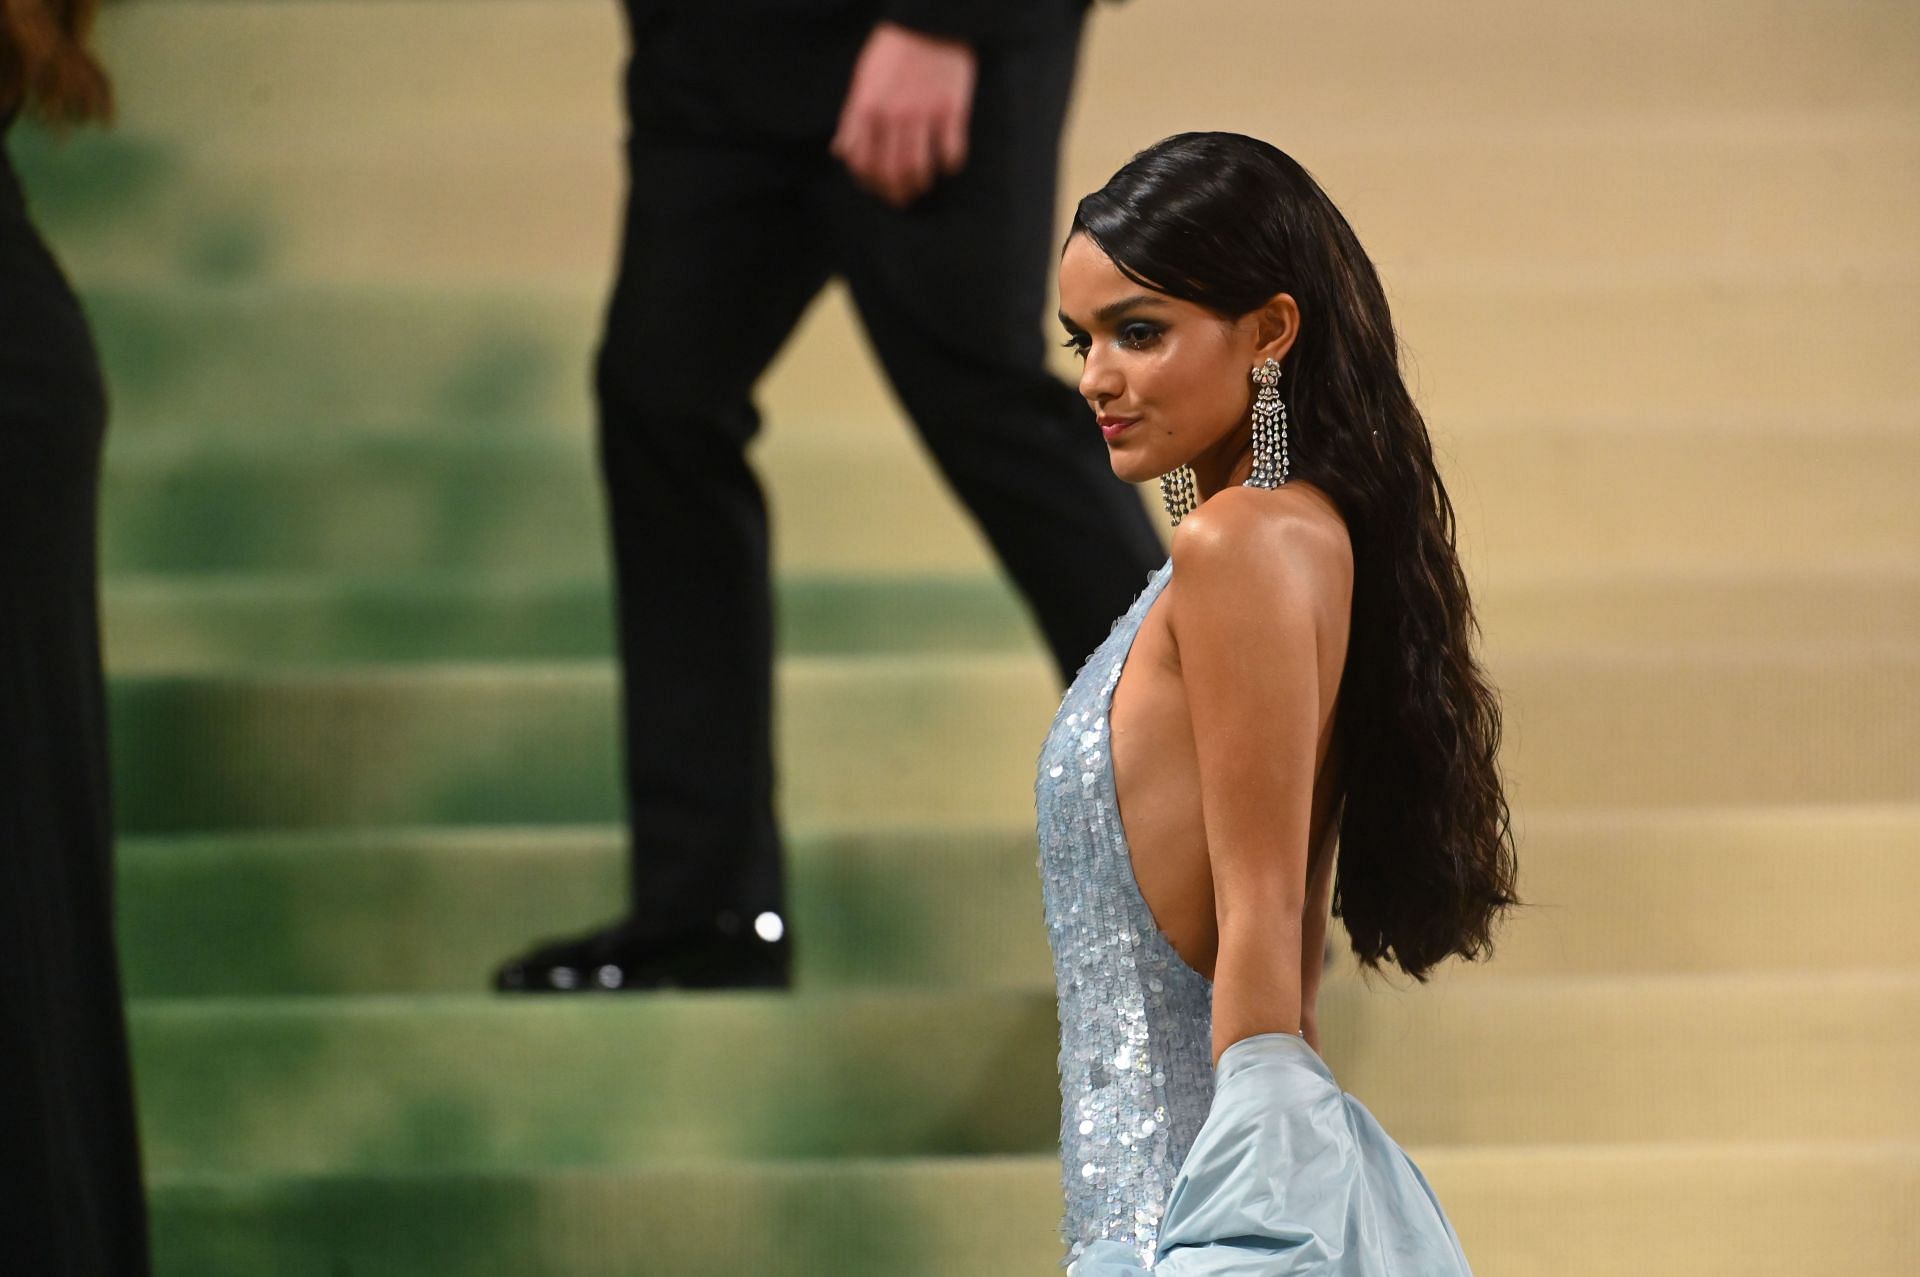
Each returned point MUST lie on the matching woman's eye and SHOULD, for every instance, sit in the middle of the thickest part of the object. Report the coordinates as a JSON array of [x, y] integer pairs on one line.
[[1135, 336]]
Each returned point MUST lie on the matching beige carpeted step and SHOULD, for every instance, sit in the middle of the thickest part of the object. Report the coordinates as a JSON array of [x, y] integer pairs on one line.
[[1743, 1210], [1534, 502], [434, 910], [945, 738], [1750, 1056], [478, 69], [1765, 888], [1553, 498], [172, 624], [543, 203], [1516, 348], [1705, 1210], [443, 1083], [1753, 603]]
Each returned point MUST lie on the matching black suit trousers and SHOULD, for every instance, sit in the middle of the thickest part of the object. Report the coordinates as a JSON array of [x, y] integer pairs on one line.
[[731, 230]]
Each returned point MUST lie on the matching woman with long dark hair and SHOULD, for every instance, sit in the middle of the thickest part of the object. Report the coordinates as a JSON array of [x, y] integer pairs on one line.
[[1288, 724], [67, 1144]]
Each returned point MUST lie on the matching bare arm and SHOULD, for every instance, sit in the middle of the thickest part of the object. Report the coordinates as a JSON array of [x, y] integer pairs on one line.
[[1247, 583], [1313, 940]]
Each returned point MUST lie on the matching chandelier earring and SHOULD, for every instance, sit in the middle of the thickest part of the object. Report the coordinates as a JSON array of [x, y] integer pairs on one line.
[[1271, 462], [1178, 493]]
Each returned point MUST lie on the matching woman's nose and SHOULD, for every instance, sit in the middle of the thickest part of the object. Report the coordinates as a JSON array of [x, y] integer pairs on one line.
[[1099, 380]]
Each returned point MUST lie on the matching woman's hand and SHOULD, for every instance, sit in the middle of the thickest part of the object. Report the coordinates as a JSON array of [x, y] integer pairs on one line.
[[906, 114]]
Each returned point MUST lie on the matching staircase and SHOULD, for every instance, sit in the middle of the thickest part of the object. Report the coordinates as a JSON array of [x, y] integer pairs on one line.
[[1656, 271]]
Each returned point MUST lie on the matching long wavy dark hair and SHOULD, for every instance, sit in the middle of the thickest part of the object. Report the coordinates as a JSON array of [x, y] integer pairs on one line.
[[1426, 864]]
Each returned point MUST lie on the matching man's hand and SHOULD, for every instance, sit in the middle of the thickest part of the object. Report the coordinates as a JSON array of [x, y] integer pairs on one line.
[[905, 118]]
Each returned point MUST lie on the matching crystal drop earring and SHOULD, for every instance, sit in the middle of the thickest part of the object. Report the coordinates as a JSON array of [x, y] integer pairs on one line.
[[1270, 460]]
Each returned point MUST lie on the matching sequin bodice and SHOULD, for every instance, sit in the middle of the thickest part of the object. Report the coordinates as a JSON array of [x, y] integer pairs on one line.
[[1136, 1056]]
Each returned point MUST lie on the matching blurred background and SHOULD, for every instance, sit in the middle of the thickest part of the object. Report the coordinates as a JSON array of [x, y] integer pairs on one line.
[[1655, 267]]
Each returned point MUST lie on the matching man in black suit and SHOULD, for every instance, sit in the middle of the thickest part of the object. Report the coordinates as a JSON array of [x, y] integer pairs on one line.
[[909, 146]]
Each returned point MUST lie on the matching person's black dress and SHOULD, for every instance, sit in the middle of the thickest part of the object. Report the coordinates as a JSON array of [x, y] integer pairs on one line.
[[69, 1157]]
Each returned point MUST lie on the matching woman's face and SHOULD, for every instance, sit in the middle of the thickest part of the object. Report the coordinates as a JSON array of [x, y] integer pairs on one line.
[[1169, 380]]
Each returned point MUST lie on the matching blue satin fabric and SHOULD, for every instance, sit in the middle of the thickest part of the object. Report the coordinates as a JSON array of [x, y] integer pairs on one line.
[[1290, 1177]]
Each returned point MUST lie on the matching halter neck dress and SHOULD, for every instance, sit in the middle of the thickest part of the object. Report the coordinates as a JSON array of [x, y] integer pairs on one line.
[[1261, 1167]]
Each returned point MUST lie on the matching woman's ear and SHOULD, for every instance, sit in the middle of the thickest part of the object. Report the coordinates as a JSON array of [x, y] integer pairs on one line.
[[1276, 327]]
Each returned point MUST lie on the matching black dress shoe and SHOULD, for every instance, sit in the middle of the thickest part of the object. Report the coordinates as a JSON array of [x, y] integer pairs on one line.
[[727, 953]]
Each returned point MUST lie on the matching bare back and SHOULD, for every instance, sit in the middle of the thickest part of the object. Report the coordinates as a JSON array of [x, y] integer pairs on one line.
[[1157, 781]]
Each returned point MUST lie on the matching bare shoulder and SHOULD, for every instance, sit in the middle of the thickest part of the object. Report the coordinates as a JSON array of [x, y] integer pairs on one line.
[[1285, 546]]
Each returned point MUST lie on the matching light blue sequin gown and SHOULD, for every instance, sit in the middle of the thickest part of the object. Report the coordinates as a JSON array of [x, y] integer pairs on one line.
[[1261, 1168]]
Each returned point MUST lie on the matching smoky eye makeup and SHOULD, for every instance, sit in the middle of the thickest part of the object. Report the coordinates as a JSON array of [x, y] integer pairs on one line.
[[1130, 333]]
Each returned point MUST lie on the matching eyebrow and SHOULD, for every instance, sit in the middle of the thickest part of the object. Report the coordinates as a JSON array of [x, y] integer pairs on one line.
[[1112, 309]]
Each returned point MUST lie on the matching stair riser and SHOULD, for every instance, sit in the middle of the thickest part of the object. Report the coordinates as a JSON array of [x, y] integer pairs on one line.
[[1701, 1211], [158, 625], [420, 912], [1531, 504], [1625, 1058], [1757, 889], [293, 70], [365, 1084], [436, 915], [1475, 347], [535, 744], [1545, 1213], [359, 1084], [1715, 200], [813, 1220]]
